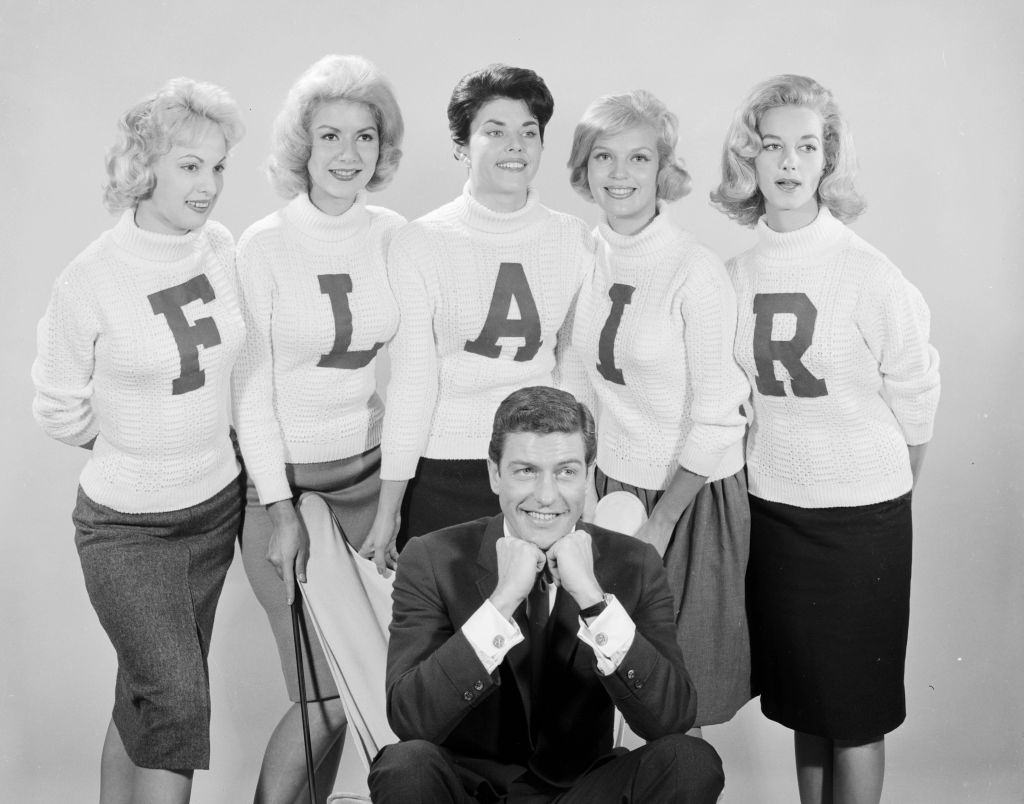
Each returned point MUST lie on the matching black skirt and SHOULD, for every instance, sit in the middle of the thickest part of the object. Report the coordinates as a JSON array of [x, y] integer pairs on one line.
[[828, 598], [444, 493]]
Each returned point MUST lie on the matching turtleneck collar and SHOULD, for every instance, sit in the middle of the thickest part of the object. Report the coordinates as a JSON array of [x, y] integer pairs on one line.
[[655, 236], [477, 216], [153, 246], [317, 225], [820, 235]]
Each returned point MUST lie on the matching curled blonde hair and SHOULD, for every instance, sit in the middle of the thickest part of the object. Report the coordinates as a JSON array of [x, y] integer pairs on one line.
[[613, 114], [333, 78], [150, 128], [738, 195]]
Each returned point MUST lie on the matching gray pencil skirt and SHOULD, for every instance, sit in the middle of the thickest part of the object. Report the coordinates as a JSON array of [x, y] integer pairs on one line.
[[154, 580], [706, 564], [350, 486]]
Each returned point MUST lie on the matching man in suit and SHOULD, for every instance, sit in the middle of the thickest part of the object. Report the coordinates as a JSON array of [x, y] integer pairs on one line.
[[503, 688]]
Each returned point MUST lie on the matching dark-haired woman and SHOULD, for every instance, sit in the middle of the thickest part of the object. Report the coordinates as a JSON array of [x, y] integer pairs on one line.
[[483, 285]]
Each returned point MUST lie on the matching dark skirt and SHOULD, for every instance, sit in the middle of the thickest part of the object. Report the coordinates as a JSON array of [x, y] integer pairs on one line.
[[444, 493], [350, 486], [154, 580], [706, 564], [828, 594]]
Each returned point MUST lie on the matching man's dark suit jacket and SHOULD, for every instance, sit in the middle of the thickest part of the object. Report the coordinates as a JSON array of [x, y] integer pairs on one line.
[[437, 689]]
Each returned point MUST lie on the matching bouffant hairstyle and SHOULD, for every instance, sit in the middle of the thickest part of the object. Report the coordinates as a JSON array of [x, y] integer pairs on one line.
[[738, 195], [333, 78], [173, 115], [497, 81], [613, 114]]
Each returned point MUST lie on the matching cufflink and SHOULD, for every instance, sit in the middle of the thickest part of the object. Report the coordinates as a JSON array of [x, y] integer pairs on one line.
[[601, 639], [498, 641]]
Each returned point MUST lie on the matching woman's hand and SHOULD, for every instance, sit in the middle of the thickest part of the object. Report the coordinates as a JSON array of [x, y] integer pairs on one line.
[[288, 549], [658, 529], [657, 533], [380, 546]]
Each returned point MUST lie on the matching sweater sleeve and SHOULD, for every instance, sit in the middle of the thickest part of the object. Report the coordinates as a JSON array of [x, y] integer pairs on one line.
[[412, 389], [707, 304], [259, 432], [64, 364], [570, 370], [892, 316]]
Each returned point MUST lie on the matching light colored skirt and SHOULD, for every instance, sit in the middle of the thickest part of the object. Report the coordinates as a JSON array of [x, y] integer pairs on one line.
[[351, 487]]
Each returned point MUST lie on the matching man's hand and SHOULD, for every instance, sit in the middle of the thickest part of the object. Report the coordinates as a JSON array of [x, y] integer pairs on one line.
[[518, 565], [571, 560]]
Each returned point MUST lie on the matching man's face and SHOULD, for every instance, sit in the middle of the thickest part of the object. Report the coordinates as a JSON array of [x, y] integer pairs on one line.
[[541, 483]]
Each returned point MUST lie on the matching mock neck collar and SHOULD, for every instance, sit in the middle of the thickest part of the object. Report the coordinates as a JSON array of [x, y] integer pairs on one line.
[[652, 238], [317, 225], [153, 246], [484, 219], [819, 235]]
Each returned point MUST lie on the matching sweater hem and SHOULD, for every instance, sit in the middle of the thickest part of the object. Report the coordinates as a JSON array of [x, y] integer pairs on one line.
[[657, 478], [829, 496], [175, 498]]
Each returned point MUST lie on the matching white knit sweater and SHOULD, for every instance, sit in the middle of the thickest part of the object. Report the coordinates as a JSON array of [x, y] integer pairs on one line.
[[136, 350], [847, 378], [449, 371], [668, 391], [317, 308]]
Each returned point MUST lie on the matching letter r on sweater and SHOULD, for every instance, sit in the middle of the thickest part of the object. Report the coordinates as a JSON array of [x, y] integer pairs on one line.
[[767, 351]]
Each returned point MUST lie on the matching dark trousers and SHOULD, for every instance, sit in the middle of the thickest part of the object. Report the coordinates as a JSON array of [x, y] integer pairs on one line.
[[676, 768]]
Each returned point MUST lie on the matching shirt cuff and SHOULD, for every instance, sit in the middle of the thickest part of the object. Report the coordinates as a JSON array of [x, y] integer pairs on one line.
[[492, 636], [610, 635]]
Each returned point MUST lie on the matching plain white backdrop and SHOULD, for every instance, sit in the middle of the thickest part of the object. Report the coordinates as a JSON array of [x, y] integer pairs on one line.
[[933, 91]]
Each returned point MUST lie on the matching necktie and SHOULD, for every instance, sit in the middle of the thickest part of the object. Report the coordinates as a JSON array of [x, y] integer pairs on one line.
[[538, 603]]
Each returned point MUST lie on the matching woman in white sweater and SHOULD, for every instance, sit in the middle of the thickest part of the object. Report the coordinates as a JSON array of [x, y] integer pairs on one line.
[[483, 284], [318, 309], [844, 390], [653, 338], [135, 356]]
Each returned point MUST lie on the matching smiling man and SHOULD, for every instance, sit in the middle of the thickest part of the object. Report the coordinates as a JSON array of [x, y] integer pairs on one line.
[[514, 638]]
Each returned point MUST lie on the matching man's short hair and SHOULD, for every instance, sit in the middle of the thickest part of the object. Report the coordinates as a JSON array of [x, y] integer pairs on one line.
[[540, 409]]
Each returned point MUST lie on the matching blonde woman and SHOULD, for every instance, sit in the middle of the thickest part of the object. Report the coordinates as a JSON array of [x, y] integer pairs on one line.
[[318, 310], [135, 355], [844, 389], [653, 333]]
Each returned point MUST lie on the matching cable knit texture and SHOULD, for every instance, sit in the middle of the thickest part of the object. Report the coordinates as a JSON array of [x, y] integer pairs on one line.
[[443, 269], [837, 314], [293, 405], [668, 391], [109, 363]]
